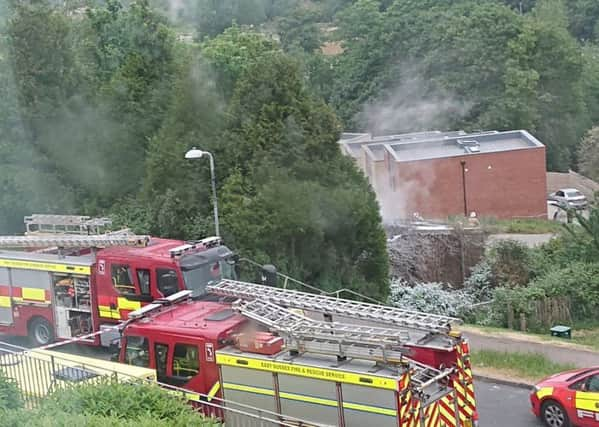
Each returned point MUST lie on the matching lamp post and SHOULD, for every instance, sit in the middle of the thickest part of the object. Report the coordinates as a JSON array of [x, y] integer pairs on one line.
[[194, 153]]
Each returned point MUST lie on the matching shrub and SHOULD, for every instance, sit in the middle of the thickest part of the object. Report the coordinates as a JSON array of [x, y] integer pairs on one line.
[[509, 261], [111, 399], [10, 395], [479, 285], [42, 418], [579, 281], [433, 298]]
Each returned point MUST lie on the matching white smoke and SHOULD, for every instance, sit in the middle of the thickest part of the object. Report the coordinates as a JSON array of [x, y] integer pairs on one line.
[[413, 105], [402, 201], [175, 8]]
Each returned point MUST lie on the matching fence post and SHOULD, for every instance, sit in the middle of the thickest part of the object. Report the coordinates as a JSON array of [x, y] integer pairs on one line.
[[522, 322], [510, 316]]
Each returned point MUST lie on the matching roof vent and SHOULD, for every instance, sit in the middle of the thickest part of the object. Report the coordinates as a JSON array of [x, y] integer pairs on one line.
[[469, 145]]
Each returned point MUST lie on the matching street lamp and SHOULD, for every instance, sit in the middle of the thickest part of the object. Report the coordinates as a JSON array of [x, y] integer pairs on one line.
[[194, 153]]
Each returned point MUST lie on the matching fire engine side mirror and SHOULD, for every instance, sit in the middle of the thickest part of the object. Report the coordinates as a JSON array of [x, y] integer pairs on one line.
[[269, 275]]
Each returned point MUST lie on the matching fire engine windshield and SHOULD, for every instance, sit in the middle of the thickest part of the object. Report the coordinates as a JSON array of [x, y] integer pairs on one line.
[[198, 278], [206, 268]]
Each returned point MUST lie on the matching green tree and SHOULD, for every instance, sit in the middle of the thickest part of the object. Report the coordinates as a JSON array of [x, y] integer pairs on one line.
[[300, 30], [233, 52], [368, 65], [293, 199], [583, 16], [89, 94], [588, 154], [473, 65]]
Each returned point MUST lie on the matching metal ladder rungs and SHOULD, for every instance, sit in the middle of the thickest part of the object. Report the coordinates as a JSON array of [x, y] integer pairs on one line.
[[331, 305], [73, 241]]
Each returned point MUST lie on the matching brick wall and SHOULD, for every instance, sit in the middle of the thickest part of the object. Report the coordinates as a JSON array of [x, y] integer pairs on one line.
[[506, 184]]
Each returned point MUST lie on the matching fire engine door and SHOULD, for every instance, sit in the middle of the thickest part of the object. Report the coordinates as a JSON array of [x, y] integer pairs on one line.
[[179, 364], [5, 300], [587, 402]]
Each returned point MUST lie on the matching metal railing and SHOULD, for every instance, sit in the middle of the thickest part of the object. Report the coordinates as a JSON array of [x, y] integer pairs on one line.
[[38, 375], [236, 414], [289, 281]]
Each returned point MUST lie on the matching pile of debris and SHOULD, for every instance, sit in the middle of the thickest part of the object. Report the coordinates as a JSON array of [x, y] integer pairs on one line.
[[422, 252]]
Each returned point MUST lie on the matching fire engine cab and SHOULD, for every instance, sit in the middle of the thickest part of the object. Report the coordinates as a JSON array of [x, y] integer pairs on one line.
[[67, 277], [322, 359]]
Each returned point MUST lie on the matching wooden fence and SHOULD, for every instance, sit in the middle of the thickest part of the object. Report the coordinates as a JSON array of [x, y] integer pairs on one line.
[[544, 313]]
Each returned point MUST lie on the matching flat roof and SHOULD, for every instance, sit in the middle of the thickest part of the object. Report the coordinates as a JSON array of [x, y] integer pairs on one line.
[[435, 145]]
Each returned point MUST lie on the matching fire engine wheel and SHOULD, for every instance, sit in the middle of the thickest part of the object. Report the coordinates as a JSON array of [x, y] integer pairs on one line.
[[40, 332], [554, 415]]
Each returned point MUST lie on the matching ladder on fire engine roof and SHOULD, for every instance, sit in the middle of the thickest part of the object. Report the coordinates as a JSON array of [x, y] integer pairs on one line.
[[68, 241], [65, 224], [71, 231], [381, 345], [430, 323]]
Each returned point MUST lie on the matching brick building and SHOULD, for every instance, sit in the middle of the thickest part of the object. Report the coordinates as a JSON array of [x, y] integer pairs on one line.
[[498, 174]]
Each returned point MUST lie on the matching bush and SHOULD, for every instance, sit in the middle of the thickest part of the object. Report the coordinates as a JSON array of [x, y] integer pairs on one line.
[[118, 400], [10, 395], [107, 404], [579, 281], [479, 285], [509, 261], [42, 418], [433, 298]]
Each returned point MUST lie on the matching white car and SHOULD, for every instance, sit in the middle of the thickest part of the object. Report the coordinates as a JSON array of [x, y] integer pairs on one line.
[[569, 198]]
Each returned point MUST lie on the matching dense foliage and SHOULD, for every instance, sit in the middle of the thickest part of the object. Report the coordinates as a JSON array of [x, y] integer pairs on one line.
[[516, 277], [10, 398], [433, 298], [108, 404], [103, 103], [101, 99]]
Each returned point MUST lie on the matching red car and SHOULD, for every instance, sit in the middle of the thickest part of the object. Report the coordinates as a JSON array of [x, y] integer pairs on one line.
[[568, 399]]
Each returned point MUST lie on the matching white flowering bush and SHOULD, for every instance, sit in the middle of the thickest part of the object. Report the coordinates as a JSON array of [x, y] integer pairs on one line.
[[479, 285], [434, 298]]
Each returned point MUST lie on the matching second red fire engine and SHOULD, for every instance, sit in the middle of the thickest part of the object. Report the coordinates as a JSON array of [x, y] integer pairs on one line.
[[72, 280]]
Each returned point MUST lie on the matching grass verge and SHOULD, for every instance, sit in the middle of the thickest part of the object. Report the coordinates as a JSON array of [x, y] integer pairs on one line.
[[586, 335], [520, 226], [529, 367], [493, 225]]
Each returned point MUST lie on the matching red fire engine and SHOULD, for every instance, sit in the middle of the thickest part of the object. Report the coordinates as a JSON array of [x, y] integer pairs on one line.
[[72, 280], [322, 359]]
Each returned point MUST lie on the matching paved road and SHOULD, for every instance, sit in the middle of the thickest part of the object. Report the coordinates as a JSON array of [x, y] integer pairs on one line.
[[503, 406]]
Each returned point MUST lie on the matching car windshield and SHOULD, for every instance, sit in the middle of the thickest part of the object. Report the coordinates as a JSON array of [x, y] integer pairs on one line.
[[573, 194], [198, 278]]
